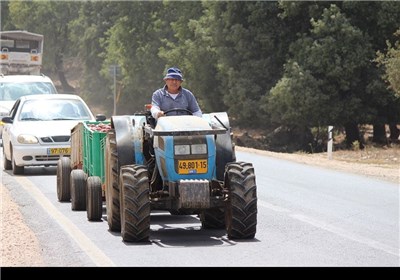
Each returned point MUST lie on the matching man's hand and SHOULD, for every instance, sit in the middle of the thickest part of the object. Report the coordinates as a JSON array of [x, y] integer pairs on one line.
[[160, 114]]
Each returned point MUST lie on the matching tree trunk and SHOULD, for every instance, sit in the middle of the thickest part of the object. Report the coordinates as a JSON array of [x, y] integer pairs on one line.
[[61, 75], [353, 135], [379, 134], [394, 133]]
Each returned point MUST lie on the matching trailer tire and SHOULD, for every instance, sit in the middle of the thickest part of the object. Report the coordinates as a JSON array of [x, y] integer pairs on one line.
[[63, 179], [135, 203], [94, 204], [78, 190], [112, 188], [241, 203]]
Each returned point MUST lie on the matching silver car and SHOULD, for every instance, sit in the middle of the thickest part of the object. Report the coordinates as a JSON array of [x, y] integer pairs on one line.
[[38, 129]]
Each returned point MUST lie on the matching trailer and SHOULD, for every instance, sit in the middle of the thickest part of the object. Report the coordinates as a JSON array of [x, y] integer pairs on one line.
[[81, 177]]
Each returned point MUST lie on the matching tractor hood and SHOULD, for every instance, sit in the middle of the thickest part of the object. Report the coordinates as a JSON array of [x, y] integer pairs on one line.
[[184, 125]]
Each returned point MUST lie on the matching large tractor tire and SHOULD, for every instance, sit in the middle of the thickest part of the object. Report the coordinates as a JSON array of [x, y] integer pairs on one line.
[[78, 190], [63, 179], [112, 188], [241, 204], [94, 204], [135, 203], [213, 218]]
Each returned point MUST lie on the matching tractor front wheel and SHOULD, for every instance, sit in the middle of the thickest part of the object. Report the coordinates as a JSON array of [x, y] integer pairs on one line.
[[241, 203], [135, 203]]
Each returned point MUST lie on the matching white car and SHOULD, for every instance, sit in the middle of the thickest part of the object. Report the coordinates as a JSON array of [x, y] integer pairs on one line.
[[14, 86], [38, 129]]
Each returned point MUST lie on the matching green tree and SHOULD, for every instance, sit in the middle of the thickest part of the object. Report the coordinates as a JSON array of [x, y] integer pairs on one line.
[[379, 20], [133, 42], [50, 18], [324, 79], [391, 63], [249, 54], [88, 31]]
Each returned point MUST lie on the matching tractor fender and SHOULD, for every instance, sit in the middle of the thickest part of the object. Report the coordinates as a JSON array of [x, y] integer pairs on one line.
[[123, 128], [225, 148]]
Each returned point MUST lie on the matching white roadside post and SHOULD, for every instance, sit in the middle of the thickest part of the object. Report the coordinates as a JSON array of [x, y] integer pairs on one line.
[[330, 142]]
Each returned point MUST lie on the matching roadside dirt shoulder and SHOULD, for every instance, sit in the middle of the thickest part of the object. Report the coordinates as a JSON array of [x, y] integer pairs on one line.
[[18, 244]]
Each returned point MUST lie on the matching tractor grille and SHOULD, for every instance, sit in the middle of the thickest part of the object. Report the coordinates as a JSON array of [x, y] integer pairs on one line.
[[56, 139]]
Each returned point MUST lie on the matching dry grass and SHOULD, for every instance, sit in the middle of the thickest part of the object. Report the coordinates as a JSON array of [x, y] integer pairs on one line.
[[371, 155]]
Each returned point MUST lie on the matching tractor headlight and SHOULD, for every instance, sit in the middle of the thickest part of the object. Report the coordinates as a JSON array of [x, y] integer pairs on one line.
[[199, 149], [182, 149]]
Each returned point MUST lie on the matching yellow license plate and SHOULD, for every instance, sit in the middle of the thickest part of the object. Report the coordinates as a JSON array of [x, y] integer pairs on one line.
[[59, 151], [192, 166]]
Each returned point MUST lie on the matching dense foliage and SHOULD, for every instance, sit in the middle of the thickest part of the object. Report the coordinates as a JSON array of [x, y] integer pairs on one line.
[[276, 66]]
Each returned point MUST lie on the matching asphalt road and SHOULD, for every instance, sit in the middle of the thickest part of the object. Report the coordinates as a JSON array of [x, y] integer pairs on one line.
[[307, 216]]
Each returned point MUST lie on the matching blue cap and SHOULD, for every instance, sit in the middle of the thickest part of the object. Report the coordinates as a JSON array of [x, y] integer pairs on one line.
[[173, 73]]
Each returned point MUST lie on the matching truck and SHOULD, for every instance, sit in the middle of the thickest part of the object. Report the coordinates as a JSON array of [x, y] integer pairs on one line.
[[20, 52], [185, 165]]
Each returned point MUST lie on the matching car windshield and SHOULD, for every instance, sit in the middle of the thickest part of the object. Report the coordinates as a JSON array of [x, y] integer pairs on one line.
[[54, 109], [12, 91]]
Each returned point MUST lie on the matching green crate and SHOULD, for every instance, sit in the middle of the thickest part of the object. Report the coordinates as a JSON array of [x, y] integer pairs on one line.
[[93, 150]]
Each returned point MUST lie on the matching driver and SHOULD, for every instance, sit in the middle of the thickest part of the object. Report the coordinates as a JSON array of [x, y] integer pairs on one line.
[[173, 96]]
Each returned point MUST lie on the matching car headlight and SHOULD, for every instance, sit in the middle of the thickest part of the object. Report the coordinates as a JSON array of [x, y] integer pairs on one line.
[[182, 149], [199, 149], [27, 139]]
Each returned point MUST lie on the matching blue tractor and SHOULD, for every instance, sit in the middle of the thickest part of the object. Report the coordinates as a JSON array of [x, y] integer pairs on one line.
[[182, 164]]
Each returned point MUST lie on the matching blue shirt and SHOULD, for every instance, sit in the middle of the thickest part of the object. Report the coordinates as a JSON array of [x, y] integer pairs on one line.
[[161, 100]]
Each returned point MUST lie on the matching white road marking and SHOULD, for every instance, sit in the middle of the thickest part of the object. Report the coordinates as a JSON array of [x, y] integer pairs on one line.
[[96, 255], [336, 230]]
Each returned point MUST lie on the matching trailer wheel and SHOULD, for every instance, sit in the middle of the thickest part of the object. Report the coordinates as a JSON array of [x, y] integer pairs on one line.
[[112, 189], [78, 190], [213, 218], [241, 205], [63, 179], [94, 204], [135, 203]]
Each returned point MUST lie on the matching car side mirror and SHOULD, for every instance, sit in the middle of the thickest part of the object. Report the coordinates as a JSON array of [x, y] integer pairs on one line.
[[100, 117], [7, 120]]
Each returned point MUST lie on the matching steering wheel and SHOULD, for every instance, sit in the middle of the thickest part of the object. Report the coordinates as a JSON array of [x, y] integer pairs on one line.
[[178, 110]]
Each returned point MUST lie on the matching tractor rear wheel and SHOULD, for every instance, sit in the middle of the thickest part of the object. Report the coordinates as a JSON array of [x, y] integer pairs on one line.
[[94, 204], [112, 188], [213, 218], [63, 179], [135, 203], [241, 205], [78, 190]]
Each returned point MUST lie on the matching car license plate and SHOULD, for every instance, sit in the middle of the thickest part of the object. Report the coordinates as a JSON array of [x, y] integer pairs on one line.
[[59, 151], [192, 166]]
